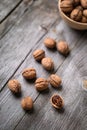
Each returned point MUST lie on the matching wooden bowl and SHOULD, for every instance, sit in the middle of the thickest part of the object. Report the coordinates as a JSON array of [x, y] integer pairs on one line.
[[70, 22]]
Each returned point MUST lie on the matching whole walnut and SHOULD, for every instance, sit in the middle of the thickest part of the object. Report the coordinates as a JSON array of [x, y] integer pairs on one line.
[[55, 80], [84, 3], [63, 47], [14, 86], [50, 43], [41, 84], [29, 73], [47, 63], [39, 54], [84, 19], [27, 103], [66, 6], [57, 101], [85, 12], [76, 14]]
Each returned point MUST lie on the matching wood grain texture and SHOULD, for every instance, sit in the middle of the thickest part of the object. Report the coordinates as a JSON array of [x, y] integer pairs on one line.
[[18, 43], [6, 7], [74, 114], [25, 35], [13, 110]]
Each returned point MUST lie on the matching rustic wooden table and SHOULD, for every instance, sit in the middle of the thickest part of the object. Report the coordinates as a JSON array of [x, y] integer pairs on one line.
[[22, 30]]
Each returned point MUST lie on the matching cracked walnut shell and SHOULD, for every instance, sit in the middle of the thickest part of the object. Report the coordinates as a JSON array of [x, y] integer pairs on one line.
[[55, 80], [29, 73], [27, 103], [57, 101], [50, 43], [47, 63], [39, 54], [41, 84], [62, 47], [14, 86]]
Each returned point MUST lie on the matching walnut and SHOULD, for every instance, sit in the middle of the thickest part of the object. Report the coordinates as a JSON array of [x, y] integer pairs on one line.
[[66, 6], [50, 43], [62, 47], [76, 15], [85, 12], [41, 84], [14, 86], [84, 3], [55, 80], [57, 101], [84, 19], [27, 103], [39, 55], [47, 63], [29, 73]]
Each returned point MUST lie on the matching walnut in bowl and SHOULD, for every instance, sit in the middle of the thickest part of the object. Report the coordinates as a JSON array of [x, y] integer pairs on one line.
[[75, 17]]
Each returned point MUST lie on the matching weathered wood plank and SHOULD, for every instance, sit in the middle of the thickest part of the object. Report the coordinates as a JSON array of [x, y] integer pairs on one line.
[[9, 102], [6, 7], [74, 114], [17, 44]]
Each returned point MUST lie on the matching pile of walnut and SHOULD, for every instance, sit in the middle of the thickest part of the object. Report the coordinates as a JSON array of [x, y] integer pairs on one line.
[[75, 9], [42, 84]]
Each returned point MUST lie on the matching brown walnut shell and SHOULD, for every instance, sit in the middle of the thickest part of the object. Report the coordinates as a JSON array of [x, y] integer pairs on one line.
[[57, 101], [47, 63], [66, 6], [41, 84], [76, 15], [39, 54], [84, 3], [85, 12], [14, 86], [50, 43], [84, 19], [63, 47], [55, 80], [27, 103], [29, 73]]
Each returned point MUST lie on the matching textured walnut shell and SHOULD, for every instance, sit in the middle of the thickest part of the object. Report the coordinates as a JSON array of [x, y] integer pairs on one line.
[[84, 19], [62, 47], [39, 55], [55, 80], [47, 63], [14, 86], [76, 15], [85, 12], [50, 43], [27, 103], [57, 101], [29, 73], [66, 6], [41, 84], [84, 3]]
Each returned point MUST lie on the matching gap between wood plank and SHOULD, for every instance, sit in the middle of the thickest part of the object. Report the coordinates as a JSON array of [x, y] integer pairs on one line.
[[11, 11], [21, 63], [54, 72]]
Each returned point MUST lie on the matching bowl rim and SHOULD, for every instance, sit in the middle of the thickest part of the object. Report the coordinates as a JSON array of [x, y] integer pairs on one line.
[[84, 24]]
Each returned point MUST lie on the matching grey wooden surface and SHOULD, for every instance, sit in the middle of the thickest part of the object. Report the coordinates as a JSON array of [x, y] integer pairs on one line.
[[21, 32]]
